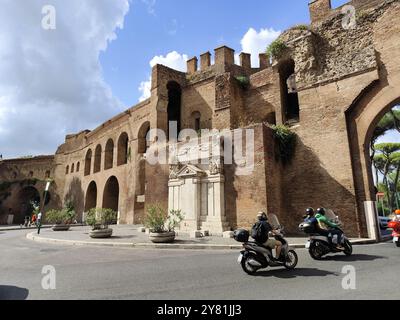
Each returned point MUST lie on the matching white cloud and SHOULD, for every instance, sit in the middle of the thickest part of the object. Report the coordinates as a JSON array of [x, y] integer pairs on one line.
[[254, 42], [51, 81], [172, 60], [150, 4]]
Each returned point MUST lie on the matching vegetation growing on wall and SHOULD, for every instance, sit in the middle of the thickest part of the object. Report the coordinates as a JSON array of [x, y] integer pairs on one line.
[[276, 49], [243, 81], [285, 140]]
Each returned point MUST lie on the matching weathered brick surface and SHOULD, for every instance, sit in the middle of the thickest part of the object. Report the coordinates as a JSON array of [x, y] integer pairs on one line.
[[346, 78]]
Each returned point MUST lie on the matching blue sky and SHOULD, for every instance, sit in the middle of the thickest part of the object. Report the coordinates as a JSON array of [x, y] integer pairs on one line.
[[97, 62], [188, 27]]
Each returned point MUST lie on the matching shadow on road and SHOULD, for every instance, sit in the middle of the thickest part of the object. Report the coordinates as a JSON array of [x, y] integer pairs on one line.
[[13, 293], [123, 237], [300, 272], [354, 257]]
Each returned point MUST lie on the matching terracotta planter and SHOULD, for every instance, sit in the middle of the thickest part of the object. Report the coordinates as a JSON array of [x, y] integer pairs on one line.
[[101, 233], [165, 237], [61, 227]]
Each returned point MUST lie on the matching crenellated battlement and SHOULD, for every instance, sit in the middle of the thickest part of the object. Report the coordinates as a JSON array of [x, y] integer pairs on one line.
[[322, 9], [224, 58]]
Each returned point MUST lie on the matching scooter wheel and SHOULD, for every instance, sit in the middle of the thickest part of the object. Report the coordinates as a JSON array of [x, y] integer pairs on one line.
[[249, 269], [316, 253], [398, 244], [291, 260], [348, 248]]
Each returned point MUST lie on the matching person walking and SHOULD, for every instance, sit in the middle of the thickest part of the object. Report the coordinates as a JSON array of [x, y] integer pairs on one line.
[[39, 221]]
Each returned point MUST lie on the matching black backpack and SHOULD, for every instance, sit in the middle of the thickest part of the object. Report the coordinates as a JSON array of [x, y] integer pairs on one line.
[[259, 233]]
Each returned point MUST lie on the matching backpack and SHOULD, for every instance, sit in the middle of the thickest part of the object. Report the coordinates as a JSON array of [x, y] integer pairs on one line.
[[259, 233]]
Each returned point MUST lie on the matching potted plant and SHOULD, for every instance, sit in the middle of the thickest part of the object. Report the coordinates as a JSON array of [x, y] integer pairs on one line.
[[62, 219], [99, 220], [162, 226]]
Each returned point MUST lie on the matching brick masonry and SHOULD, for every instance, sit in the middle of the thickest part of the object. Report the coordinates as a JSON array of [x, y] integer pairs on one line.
[[346, 80]]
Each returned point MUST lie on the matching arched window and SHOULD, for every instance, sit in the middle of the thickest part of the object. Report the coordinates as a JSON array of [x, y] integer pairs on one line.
[[67, 170], [196, 120], [144, 138], [289, 95], [174, 103], [109, 155], [123, 149], [88, 162], [73, 168], [97, 159], [78, 165]]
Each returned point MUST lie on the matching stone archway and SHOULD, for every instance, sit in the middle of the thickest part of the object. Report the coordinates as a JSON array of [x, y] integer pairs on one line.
[[111, 194], [362, 119], [91, 197], [26, 196]]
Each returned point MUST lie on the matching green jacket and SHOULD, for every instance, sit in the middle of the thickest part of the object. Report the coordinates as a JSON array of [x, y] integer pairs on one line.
[[324, 221]]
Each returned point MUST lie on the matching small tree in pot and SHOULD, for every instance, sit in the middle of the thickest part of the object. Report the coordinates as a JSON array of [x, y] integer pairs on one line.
[[62, 219], [99, 220], [162, 226]]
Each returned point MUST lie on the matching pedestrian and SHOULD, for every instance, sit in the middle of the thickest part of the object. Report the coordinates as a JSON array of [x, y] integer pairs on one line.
[[39, 221]]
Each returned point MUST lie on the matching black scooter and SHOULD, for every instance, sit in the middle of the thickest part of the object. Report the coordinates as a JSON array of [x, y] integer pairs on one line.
[[255, 256], [319, 245]]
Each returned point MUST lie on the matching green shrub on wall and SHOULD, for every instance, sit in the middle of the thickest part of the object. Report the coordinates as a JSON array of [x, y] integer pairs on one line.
[[244, 82], [276, 49], [285, 141]]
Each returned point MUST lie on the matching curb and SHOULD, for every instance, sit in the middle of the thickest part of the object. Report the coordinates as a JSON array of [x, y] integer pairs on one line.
[[19, 228], [32, 236], [33, 228]]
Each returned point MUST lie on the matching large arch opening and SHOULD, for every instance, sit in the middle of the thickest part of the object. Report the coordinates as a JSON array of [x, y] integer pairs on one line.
[[28, 197], [88, 162], [289, 95], [91, 197], [174, 103], [363, 117], [97, 159], [385, 160], [111, 194], [109, 155], [123, 149]]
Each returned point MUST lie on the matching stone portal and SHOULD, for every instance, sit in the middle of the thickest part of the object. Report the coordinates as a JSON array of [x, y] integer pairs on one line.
[[199, 192]]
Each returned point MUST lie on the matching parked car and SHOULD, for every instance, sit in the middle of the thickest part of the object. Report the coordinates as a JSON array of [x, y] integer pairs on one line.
[[383, 222]]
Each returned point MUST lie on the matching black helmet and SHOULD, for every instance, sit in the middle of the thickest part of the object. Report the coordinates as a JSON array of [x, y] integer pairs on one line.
[[262, 216], [310, 211], [321, 211]]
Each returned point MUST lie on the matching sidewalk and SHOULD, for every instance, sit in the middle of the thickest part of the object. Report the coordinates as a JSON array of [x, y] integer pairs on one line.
[[18, 227], [128, 236]]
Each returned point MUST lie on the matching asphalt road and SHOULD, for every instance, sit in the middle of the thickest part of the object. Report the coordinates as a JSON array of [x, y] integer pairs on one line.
[[109, 273]]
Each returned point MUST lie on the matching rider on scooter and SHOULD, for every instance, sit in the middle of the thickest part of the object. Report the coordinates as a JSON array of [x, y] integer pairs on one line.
[[270, 243], [332, 228]]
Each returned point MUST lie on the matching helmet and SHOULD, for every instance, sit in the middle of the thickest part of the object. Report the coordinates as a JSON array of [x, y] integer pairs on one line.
[[321, 211], [262, 216], [310, 211], [397, 212]]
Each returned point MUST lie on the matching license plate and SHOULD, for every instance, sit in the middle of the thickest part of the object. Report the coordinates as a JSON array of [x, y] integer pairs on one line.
[[240, 258], [308, 245], [395, 239]]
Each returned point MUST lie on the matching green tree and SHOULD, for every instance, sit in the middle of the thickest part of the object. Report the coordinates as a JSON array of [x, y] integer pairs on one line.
[[387, 161]]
